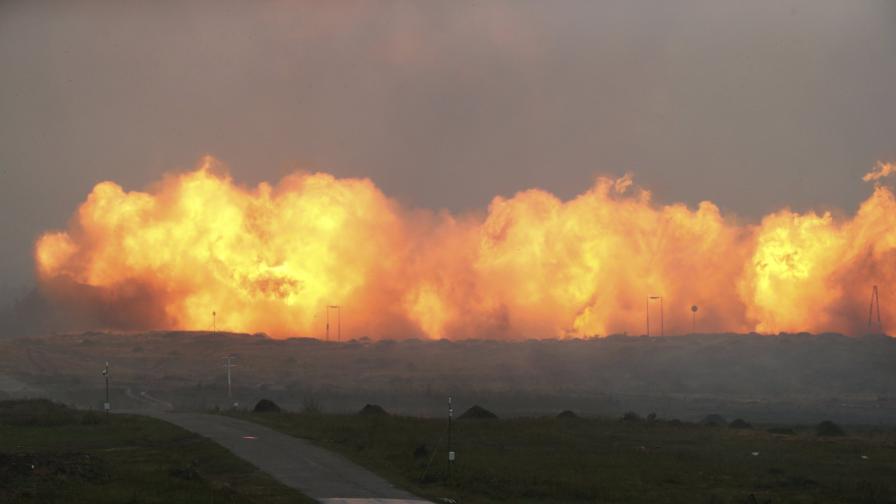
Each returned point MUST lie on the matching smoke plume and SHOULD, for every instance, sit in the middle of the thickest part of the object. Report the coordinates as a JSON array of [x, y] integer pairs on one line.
[[278, 259]]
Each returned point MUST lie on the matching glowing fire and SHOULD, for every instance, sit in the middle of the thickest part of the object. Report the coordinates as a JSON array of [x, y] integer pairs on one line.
[[273, 258]]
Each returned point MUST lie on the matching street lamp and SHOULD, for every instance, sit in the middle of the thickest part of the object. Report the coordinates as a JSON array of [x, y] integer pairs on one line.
[[338, 322], [450, 451], [653, 298], [693, 319], [228, 364], [875, 303], [106, 405]]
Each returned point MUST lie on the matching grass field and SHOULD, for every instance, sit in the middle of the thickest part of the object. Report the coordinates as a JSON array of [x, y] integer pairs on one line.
[[540, 460], [50, 453]]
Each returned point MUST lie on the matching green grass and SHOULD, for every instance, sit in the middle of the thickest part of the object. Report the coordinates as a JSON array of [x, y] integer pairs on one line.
[[50, 453], [540, 460]]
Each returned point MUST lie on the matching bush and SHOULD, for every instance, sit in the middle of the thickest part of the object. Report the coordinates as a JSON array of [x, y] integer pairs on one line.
[[567, 414], [189, 472], [829, 428], [631, 416], [713, 420], [92, 418], [740, 424], [310, 406], [477, 413], [373, 410], [421, 452], [266, 406]]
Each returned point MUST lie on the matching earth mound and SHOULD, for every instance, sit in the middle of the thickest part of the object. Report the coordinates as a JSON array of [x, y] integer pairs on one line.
[[740, 424], [477, 412], [713, 420], [373, 410], [828, 428], [567, 414], [266, 406]]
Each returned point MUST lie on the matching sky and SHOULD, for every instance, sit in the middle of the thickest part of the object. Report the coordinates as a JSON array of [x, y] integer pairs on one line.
[[755, 106]]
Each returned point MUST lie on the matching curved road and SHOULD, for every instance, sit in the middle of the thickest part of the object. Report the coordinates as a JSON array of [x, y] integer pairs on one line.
[[318, 473]]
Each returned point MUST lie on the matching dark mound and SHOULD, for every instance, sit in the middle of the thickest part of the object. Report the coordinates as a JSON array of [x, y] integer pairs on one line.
[[477, 412], [266, 406], [373, 410], [740, 424], [421, 452], [567, 414], [631, 416], [714, 420], [829, 428]]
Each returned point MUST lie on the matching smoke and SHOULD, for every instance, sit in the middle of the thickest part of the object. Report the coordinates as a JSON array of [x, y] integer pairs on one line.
[[272, 259], [880, 171]]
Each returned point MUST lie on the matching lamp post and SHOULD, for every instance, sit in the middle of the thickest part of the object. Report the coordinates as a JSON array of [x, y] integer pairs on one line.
[[693, 319], [450, 451], [106, 406], [338, 322], [875, 303], [228, 364], [653, 298]]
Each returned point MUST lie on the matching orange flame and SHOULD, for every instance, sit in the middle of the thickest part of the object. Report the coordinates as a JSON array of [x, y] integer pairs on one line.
[[273, 258]]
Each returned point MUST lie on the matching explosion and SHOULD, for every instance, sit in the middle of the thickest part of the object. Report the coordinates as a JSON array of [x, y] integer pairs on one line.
[[274, 257]]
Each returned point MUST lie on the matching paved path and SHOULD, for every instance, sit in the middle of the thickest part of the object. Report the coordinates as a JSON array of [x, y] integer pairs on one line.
[[318, 473]]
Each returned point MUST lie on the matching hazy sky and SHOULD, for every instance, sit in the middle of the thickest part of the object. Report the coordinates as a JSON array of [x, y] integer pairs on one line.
[[753, 105]]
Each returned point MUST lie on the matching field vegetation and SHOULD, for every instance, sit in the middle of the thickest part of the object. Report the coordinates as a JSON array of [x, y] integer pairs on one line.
[[797, 378], [639, 459], [50, 453]]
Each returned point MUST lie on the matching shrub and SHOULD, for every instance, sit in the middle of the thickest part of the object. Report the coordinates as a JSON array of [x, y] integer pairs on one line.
[[631, 416], [740, 424], [477, 413], [310, 406], [421, 452], [829, 428], [713, 420], [266, 406], [373, 410], [567, 414]]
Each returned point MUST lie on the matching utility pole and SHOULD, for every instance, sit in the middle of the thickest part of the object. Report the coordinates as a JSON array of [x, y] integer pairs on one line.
[[338, 321], [693, 319], [214, 322], [450, 451], [106, 405], [875, 303], [653, 298], [228, 364], [647, 311]]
